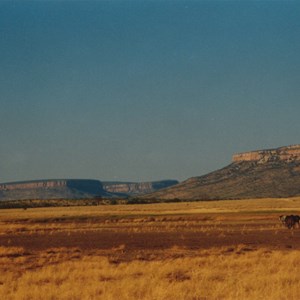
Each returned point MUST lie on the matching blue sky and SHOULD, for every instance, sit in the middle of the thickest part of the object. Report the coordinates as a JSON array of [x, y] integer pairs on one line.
[[144, 90]]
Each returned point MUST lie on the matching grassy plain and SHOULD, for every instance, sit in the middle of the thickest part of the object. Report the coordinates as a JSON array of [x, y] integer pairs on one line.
[[196, 250]]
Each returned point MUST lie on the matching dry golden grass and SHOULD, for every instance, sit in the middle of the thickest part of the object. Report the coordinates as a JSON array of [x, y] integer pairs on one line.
[[172, 217], [215, 274], [231, 272], [225, 206]]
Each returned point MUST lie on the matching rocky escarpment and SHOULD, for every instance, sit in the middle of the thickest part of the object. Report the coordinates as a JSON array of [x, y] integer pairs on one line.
[[136, 188], [286, 154], [52, 189], [255, 174]]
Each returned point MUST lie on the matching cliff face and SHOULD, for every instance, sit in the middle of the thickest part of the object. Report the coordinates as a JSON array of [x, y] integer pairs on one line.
[[136, 188], [255, 174], [52, 189], [287, 154], [24, 185]]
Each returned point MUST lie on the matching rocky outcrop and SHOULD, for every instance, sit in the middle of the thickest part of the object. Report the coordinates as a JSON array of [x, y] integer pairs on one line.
[[287, 154], [52, 189], [136, 188], [256, 174]]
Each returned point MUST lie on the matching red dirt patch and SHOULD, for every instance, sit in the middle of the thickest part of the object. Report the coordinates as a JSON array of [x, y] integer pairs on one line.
[[99, 240]]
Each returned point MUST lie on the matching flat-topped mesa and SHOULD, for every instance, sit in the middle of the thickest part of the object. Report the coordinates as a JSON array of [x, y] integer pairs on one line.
[[137, 188], [287, 154], [33, 184], [52, 189], [84, 184]]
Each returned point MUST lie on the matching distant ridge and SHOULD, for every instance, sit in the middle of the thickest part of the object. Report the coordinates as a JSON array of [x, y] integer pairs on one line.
[[77, 189], [52, 189], [254, 174], [136, 188]]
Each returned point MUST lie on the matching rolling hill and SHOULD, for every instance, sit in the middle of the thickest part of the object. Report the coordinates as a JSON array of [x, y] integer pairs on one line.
[[255, 174]]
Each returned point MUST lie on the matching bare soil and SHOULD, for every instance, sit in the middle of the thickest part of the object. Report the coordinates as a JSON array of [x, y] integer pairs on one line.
[[90, 240], [189, 233]]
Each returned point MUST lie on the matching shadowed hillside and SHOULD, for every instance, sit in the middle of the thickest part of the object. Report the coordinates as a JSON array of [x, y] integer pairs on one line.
[[255, 174]]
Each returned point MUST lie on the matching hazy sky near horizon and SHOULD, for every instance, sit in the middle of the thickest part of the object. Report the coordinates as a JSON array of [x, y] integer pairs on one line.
[[144, 90]]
